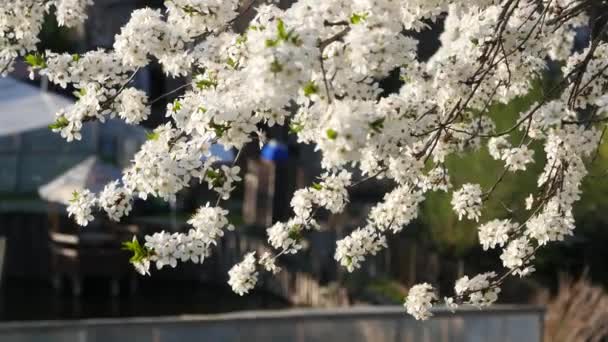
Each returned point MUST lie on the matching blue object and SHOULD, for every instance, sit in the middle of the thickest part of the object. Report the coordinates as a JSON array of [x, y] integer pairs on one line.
[[275, 151]]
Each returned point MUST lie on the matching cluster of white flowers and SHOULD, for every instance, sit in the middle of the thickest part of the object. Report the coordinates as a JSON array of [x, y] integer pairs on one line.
[[268, 261], [243, 276], [478, 290], [316, 66], [70, 13], [495, 233], [399, 208], [467, 202], [81, 207], [131, 106], [517, 255], [419, 301], [285, 236], [166, 163], [330, 193], [116, 201], [21, 22], [166, 249], [210, 223], [515, 158], [353, 249]]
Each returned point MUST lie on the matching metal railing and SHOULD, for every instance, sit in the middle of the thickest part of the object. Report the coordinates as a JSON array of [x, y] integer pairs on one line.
[[378, 324]]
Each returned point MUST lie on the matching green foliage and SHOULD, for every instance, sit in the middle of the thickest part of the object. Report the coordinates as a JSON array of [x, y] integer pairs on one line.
[[331, 134], [256, 28], [217, 178], [276, 66], [283, 36], [176, 105], [295, 127], [219, 129], [232, 63], [295, 234], [59, 123], [454, 237], [310, 88], [139, 252], [35, 60], [377, 125], [357, 18], [79, 93], [388, 289], [208, 82], [75, 196], [152, 135]]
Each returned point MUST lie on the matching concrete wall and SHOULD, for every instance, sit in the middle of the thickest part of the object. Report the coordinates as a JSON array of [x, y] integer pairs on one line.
[[378, 324]]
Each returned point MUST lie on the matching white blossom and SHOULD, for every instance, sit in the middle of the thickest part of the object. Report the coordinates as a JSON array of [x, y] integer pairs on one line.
[[268, 261], [517, 255], [285, 236], [243, 276], [210, 222], [517, 158], [116, 201], [495, 233], [142, 267], [479, 290], [81, 207], [420, 300], [467, 202], [352, 250], [131, 106]]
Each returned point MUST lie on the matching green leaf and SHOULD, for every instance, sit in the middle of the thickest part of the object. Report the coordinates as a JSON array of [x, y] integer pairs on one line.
[[206, 83], [257, 28], [357, 18], [310, 88], [317, 186], [296, 127], [75, 196], [331, 134], [271, 42], [152, 135], [176, 105], [211, 174], [232, 63], [190, 10], [241, 39], [75, 57], [276, 67], [295, 40], [219, 129], [217, 178], [377, 125], [139, 252], [35, 60], [294, 234], [281, 31], [59, 123], [405, 78]]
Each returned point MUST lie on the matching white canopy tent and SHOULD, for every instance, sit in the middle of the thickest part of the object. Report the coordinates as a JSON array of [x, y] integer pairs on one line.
[[90, 174], [24, 107]]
